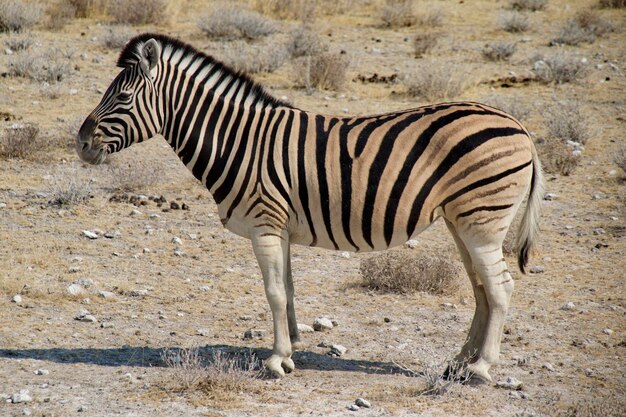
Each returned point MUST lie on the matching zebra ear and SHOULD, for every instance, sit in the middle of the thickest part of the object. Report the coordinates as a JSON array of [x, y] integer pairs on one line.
[[150, 54]]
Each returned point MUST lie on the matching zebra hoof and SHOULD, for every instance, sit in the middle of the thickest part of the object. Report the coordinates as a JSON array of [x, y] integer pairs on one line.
[[275, 365], [288, 365]]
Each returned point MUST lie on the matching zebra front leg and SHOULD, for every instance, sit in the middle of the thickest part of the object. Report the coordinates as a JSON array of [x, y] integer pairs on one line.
[[272, 251], [294, 334]]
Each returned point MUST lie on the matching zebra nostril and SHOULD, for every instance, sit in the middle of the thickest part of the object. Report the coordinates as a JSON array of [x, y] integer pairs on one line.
[[85, 146]]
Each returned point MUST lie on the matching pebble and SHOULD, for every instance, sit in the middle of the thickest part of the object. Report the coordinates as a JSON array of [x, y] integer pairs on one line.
[[322, 324], [113, 234], [353, 407], [337, 350], [155, 216], [106, 294], [107, 325], [176, 240], [412, 244], [16, 299], [537, 269], [448, 305], [89, 234], [550, 197], [146, 250], [27, 412], [607, 331], [598, 231], [549, 367], [42, 372], [511, 383], [242, 318], [203, 332], [3, 205], [21, 397], [74, 269], [253, 334], [362, 402], [568, 306], [75, 289], [179, 253], [84, 315], [305, 328], [345, 255]]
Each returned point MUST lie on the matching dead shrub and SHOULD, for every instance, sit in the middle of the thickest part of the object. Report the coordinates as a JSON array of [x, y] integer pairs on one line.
[[514, 22], [69, 189], [16, 15], [431, 18], [51, 65], [559, 68], [566, 121], [19, 42], [255, 58], [530, 5], [138, 12], [585, 27], [499, 51], [326, 71], [424, 42], [435, 80], [557, 157], [303, 41], [117, 37], [404, 271], [235, 23], [129, 173], [88, 8], [620, 160], [512, 105], [612, 4], [21, 141], [398, 13], [59, 14]]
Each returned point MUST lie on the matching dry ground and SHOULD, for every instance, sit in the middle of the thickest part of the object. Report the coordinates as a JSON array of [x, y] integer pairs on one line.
[[162, 299]]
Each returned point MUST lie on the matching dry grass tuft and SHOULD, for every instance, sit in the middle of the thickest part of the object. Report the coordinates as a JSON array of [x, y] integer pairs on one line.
[[585, 27], [620, 160], [255, 58], [514, 22], [499, 51], [235, 23], [326, 71], [138, 12], [436, 80], [19, 42], [88, 8], [612, 4], [559, 68], [59, 14], [22, 141], [557, 157], [424, 42], [303, 41], [51, 65], [117, 37], [69, 189], [16, 15], [221, 376], [530, 5], [431, 18], [512, 105], [398, 13], [405, 271], [567, 122]]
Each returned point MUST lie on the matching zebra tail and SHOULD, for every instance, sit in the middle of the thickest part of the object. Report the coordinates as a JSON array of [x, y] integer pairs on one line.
[[529, 227]]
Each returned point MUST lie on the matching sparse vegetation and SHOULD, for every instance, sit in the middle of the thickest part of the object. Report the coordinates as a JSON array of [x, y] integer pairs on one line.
[[20, 42], [436, 80], [128, 174], [398, 13], [255, 58], [499, 51], [424, 42], [613, 4], [69, 189], [326, 71], [21, 141], [16, 15], [559, 68], [51, 65], [586, 26], [138, 12], [59, 14], [620, 160], [235, 23], [303, 10], [303, 41], [567, 122], [514, 22], [513, 105], [557, 157], [530, 5], [431, 18], [406, 271], [88, 8], [116, 37]]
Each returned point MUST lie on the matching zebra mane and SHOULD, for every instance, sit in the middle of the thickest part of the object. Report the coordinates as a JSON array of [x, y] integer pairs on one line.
[[131, 53]]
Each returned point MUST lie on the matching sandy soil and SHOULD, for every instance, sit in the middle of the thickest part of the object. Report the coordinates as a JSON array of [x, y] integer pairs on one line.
[[207, 291]]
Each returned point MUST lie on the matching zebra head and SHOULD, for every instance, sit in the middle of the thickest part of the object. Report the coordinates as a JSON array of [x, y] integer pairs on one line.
[[127, 112]]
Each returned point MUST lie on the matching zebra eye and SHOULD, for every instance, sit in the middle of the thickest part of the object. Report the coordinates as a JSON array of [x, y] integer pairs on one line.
[[124, 95]]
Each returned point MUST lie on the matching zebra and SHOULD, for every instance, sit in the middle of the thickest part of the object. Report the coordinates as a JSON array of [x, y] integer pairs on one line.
[[281, 175]]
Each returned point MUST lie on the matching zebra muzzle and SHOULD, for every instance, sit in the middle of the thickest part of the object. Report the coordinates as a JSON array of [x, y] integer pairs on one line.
[[88, 146]]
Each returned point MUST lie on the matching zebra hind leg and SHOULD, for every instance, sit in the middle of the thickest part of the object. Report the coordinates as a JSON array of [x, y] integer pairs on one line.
[[272, 251]]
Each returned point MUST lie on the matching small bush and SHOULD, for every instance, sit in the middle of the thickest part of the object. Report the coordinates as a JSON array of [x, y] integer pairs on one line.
[[398, 13], [50, 66], [557, 157], [303, 41], [567, 122], [21, 142], [405, 271], [436, 80], [514, 22], [424, 42], [69, 189], [117, 37], [585, 27], [614, 4], [326, 71], [255, 58], [499, 51], [88, 8], [18, 43], [530, 5], [235, 23], [559, 68], [59, 14], [431, 18], [138, 12], [511, 105], [16, 15]]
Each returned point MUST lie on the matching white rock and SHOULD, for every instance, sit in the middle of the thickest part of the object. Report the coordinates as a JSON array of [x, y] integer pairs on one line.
[[75, 289], [345, 255], [537, 269], [84, 315], [549, 367], [448, 305], [3, 205], [203, 332], [106, 294], [353, 407], [362, 402], [136, 212], [176, 240], [511, 383], [42, 372], [305, 328], [179, 253], [21, 397], [412, 244], [154, 216], [146, 250], [607, 331], [16, 299], [90, 234], [322, 324], [107, 325], [568, 306], [550, 196], [337, 350]]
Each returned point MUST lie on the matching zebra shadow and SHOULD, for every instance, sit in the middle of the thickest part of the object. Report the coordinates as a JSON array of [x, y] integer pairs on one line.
[[144, 356]]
